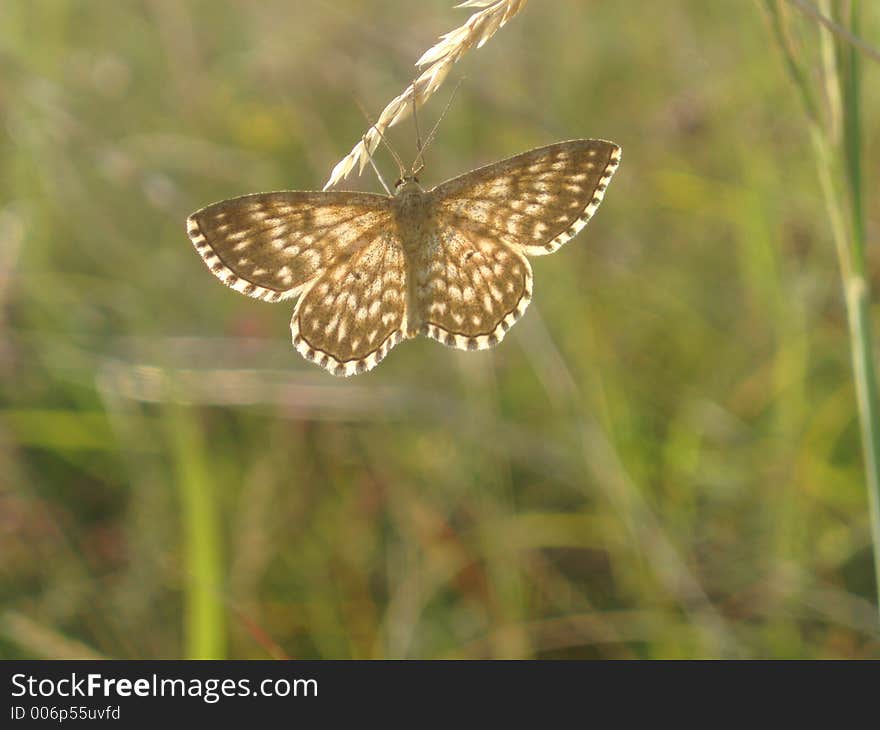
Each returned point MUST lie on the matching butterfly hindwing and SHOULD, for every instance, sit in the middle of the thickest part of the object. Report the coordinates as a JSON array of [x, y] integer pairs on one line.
[[470, 287], [351, 316]]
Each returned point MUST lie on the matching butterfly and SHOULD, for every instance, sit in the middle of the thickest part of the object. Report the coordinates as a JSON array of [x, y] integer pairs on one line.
[[372, 270]]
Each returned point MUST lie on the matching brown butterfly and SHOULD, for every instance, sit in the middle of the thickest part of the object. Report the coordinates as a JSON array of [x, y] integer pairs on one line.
[[371, 270]]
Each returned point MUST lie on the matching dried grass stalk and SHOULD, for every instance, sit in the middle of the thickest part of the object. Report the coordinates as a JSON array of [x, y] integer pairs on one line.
[[435, 63]]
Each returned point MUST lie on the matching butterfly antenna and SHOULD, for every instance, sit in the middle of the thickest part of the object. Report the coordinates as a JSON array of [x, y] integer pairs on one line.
[[419, 159], [373, 165], [400, 166], [430, 138]]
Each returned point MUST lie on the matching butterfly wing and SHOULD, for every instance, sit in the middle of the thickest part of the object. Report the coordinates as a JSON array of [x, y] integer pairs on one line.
[[270, 245], [349, 317], [536, 201], [470, 287], [475, 281]]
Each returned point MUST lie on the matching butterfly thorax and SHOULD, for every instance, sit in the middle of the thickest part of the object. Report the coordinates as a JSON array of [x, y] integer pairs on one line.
[[413, 214]]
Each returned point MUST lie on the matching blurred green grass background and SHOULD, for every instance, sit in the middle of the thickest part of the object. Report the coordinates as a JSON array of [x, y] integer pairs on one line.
[[661, 460]]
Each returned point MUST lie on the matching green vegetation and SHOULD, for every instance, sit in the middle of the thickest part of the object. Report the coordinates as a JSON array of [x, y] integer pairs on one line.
[[663, 459]]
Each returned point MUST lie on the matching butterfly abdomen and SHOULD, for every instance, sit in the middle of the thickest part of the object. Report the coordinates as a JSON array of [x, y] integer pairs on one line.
[[416, 229]]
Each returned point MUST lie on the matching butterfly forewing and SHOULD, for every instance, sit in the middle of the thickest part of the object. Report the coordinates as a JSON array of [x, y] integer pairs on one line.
[[269, 245], [535, 201]]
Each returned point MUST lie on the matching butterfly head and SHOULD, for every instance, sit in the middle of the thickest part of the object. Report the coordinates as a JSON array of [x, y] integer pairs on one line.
[[409, 182]]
